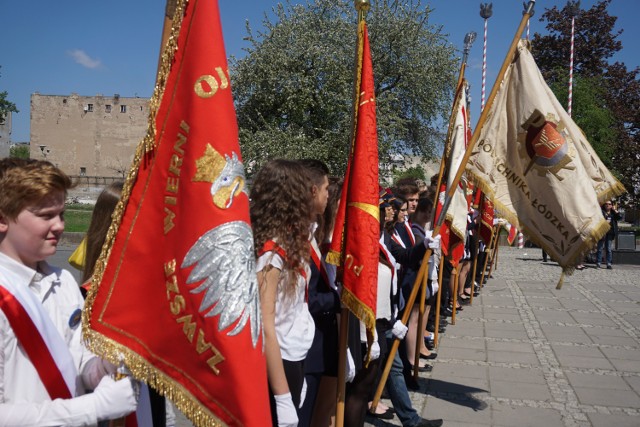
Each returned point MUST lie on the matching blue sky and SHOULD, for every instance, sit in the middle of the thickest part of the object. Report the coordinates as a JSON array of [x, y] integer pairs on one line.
[[96, 47]]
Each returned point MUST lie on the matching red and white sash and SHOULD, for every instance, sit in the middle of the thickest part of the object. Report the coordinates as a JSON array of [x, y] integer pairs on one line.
[[272, 246], [412, 237], [39, 338], [316, 257]]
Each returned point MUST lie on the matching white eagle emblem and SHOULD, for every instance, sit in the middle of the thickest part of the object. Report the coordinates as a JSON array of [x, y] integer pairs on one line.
[[225, 262]]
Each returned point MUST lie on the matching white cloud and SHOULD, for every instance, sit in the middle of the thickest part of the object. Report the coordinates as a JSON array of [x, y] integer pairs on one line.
[[83, 59]]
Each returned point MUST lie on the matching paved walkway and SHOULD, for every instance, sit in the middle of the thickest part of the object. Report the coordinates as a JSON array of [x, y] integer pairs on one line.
[[526, 354]]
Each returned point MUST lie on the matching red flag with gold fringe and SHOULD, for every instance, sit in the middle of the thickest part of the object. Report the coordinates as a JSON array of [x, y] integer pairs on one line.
[[176, 290], [486, 219], [357, 231]]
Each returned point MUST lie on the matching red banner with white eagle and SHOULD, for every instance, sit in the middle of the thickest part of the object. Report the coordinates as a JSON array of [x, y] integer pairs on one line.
[[175, 289]]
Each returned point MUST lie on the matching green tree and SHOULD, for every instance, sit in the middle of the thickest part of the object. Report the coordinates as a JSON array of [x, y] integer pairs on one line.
[[610, 92], [21, 151], [412, 172], [294, 88], [6, 106]]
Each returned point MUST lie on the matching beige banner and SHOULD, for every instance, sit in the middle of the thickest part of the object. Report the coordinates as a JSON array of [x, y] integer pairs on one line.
[[538, 168]]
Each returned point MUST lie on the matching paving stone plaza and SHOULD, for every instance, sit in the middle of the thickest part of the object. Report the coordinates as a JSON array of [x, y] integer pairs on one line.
[[526, 354]]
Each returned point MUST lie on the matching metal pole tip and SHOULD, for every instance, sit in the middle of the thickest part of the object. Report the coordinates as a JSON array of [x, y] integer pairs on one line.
[[362, 5]]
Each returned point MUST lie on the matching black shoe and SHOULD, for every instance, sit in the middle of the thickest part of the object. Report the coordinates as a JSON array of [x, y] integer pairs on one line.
[[609, 267], [430, 423], [446, 311], [429, 345], [431, 356], [425, 368], [387, 415]]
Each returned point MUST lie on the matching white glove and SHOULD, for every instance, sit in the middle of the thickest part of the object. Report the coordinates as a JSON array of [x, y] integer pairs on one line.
[[95, 369], [375, 350], [114, 399], [303, 392], [399, 330], [432, 242], [435, 286], [286, 411], [350, 368]]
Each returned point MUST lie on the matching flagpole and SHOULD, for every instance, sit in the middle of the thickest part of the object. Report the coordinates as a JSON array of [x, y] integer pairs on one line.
[[169, 13], [451, 191], [420, 328], [495, 233], [436, 332], [362, 7], [469, 38]]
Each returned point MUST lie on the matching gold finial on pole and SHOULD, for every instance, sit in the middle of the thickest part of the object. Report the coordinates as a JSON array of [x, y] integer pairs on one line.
[[362, 5]]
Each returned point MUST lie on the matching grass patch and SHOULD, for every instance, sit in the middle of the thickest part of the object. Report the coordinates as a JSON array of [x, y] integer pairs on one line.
[[77, 217]]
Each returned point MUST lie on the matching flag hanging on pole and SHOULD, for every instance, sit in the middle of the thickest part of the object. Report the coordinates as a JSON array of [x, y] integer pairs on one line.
[[357, 231], [486, 219], [539, 170], [453, 229], [175, 290]]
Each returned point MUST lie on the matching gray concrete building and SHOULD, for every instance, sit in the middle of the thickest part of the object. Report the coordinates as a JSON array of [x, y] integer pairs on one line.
[[93, 136], [5, 135]]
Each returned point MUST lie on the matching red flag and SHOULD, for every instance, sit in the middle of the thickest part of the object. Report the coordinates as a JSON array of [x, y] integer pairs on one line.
[[486, 219], [357, 230], [513, 232], [177, 293]]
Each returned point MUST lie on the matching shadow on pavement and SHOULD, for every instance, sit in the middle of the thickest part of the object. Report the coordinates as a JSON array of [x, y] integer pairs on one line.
[[459, 394]]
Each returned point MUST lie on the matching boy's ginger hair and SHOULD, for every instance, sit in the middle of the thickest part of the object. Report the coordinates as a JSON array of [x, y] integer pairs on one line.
[[25, 182]]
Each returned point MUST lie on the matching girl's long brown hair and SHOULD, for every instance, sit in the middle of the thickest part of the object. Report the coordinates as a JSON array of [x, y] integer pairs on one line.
[[281, 211], [100, 222]]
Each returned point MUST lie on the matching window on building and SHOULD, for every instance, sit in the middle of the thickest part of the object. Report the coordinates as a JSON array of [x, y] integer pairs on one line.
[[107, 108], [83, 171], [90, 108], [123, 108]]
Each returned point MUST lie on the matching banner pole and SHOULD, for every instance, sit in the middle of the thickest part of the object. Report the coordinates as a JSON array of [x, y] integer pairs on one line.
[[169, 13], [436, 332], [420, 329], [465, 160]]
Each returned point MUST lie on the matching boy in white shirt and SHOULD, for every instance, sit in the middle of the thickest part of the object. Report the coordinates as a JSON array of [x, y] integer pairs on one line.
[[44, 367]]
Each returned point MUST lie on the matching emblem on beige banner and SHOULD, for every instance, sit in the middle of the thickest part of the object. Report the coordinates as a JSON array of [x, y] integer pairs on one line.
[[546, 143]]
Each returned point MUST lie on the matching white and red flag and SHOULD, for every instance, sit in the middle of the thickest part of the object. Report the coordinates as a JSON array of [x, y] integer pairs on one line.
[[453, 229]]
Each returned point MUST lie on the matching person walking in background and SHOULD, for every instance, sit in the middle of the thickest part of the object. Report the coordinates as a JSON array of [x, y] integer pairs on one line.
[[612, 216]]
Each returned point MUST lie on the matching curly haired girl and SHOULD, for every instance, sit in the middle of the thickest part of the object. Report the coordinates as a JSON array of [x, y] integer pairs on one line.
[[280, 214]]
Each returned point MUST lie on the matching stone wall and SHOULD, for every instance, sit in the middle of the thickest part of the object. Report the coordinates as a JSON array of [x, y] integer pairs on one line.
[[93, 136]]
